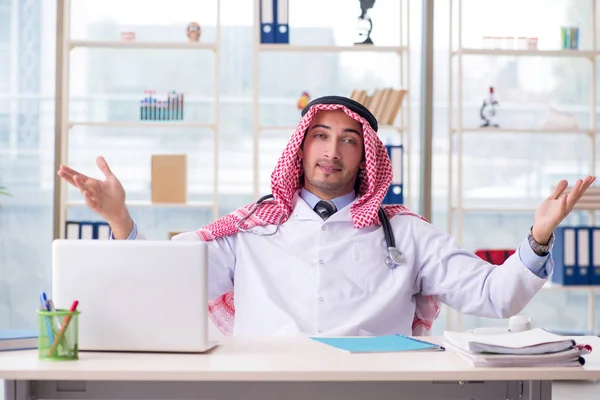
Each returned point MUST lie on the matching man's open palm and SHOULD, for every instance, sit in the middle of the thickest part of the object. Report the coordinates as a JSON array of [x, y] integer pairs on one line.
[[106, 198], [557, 206]]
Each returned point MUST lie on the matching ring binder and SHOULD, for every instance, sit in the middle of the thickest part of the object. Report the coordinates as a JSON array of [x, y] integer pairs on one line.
[[267, 21], [87, 230], [282, 34], [395, 193]]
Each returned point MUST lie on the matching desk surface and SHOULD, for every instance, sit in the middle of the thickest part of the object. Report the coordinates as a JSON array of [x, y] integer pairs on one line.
[[280, 359]]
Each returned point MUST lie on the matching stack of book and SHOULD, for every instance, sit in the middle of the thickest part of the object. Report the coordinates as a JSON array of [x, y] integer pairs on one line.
[[384, 104], [532, 348]]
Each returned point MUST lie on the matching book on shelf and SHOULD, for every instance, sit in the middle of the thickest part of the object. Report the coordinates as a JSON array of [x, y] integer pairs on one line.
[[384, 104], [169, 178]]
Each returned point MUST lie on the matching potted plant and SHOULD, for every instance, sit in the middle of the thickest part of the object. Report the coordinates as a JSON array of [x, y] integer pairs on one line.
[[3, 192]]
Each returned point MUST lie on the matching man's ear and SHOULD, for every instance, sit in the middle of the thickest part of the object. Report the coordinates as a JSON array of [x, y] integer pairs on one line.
[[362, 165], [300, 153]]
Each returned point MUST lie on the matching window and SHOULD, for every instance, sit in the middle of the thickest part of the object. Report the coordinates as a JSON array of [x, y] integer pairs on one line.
[[27, 54]]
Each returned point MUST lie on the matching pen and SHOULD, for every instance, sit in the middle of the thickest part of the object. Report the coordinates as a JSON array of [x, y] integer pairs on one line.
[[51, 308], [62, 331], [45, 307], [57, 321]]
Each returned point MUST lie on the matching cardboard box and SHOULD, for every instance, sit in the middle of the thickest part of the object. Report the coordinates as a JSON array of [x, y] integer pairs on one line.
[[171, 234], [169, 178]]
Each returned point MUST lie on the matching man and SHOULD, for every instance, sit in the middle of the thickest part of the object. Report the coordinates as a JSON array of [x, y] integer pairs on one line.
[[313, 259]]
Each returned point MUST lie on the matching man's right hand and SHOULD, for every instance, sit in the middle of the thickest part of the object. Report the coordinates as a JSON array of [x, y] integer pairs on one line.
[[106, 198]]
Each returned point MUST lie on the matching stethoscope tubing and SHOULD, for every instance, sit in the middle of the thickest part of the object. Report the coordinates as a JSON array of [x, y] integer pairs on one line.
[[388, 233]]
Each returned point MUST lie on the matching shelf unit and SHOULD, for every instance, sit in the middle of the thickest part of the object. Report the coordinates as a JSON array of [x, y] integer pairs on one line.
[[64, 125], [458, 131], [402, 51]]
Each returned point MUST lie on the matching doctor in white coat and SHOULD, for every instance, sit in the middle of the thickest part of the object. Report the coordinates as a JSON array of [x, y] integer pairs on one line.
[[313, 259]]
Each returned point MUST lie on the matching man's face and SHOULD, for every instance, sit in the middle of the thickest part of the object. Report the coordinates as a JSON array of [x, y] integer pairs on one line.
[[332, 154]]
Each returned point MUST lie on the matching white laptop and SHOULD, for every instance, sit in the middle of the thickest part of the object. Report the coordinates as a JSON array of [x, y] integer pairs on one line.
[[134, 295]]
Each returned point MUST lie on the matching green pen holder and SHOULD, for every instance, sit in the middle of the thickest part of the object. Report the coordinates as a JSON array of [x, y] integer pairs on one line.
[[58, 335]]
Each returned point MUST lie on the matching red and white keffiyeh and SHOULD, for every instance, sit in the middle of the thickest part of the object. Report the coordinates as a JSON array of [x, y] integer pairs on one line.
[[285, 182]]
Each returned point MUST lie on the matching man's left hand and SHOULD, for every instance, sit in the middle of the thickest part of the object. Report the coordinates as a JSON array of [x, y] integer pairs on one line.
[[556, 207]]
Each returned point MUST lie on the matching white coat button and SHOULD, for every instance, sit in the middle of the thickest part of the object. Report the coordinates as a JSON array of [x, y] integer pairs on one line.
[[321, 299], [320, 261], [320, 331], [323, 228]]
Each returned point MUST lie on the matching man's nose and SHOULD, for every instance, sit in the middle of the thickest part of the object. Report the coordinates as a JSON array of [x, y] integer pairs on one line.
[[332, 150]]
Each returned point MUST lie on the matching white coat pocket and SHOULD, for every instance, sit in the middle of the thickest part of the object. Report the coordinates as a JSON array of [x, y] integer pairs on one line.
[[367, 269]]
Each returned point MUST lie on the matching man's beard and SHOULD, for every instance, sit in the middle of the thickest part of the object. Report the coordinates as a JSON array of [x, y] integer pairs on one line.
[[333, 188]]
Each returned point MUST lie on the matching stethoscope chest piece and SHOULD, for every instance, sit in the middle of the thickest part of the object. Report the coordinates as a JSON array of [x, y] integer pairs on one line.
[[394, 258]]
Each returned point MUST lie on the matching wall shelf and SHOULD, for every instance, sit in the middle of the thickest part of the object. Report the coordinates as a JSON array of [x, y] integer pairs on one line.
[[143, 124], [522, 131], [107, 44], [526, 53], [67, 45], [148, 203], [331, 49]]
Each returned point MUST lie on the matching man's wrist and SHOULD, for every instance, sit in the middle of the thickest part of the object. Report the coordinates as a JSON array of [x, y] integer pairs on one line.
[[121, 227], [540, 244], [541, 238]]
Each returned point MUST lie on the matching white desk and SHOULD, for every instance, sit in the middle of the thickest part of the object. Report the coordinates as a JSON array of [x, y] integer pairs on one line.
[[279, 368]]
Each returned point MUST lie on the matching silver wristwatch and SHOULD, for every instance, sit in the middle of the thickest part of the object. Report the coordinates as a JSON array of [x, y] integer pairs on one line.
[[543, 249]]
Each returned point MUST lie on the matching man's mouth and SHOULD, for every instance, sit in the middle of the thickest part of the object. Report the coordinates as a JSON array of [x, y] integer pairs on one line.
[[329, 168]]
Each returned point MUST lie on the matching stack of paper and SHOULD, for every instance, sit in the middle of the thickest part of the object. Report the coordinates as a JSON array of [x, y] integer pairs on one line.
[[532, 348]]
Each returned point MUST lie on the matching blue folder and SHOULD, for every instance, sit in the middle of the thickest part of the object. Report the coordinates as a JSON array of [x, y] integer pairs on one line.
[[378, 344], [395, 193], [267, 21], [282, 33], [574, 256], [87, 230]]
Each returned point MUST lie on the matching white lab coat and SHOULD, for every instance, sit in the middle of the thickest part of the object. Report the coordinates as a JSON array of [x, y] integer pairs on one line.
[[328, 278]]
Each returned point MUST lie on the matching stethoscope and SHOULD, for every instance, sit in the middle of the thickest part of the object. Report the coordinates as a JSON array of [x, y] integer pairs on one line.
[[393, 259]]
